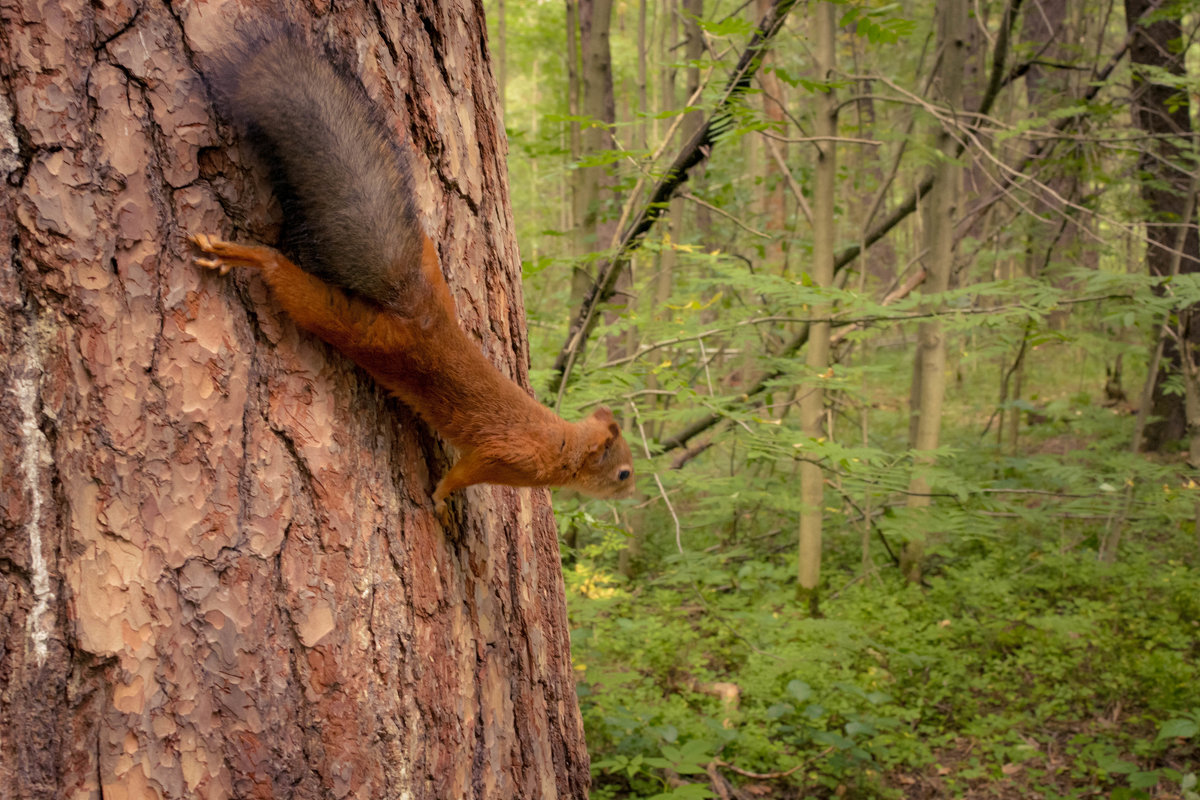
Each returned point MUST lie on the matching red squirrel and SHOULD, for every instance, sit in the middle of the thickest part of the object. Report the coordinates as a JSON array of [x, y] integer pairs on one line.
[[371, 284]]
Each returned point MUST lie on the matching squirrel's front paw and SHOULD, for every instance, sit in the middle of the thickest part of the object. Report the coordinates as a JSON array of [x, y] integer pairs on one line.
[[442, 510]]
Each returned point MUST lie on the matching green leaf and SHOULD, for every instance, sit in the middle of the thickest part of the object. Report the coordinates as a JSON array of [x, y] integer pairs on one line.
[[1115, 765], [689, 769], [732, 25], [856, 728], [689, 791], [799, 690], [1178, 729], [1144, 780], [777, 710], [669, 733]]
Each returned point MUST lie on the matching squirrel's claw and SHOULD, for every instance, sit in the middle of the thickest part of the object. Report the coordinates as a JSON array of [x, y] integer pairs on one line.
[[213, 263], [228, 255], [212, 246]]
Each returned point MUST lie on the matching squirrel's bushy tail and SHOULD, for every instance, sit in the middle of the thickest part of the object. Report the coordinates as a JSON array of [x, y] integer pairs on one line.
[[341, 178]]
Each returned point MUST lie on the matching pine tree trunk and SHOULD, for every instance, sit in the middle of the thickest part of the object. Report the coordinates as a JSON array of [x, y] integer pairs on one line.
[[221, 572]]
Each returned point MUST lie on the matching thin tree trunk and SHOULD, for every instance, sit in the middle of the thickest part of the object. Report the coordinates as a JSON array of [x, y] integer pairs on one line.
[[1161, 109], [772, 193], [597, 192], [667, 257], [534, 172], [643, 140], [1044, 26], [1191, 366], [667, 102], [668, 28], [812, 393], [941, 211], [693, 52], [222, 575], [629, 557], [597, 103], [573, 111], [1013, 386], [667, 260]]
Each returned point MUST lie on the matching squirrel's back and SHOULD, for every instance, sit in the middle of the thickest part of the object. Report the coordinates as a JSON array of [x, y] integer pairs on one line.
[[342, 180]]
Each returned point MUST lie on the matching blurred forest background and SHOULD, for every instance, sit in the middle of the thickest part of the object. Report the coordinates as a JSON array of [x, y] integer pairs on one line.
[[897, 302]]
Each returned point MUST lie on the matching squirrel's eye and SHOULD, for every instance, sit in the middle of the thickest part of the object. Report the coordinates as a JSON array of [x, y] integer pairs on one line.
[[623, 475]]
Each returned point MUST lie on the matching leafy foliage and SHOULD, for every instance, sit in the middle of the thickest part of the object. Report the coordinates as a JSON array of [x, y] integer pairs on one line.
[[1053, 646], [1011, 649]]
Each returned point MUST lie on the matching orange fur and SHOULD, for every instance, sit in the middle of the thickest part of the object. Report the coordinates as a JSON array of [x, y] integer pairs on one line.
[[370, 283], [504, 435]]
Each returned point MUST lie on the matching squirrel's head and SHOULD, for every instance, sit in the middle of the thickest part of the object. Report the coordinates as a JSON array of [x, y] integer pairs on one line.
[[607, 466]]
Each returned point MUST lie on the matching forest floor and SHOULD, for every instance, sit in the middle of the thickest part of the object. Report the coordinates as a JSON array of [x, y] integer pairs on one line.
[[1051, 771], [1025, 665]]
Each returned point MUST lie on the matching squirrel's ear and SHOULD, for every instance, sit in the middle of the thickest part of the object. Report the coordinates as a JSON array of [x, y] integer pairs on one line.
[[605, 416]]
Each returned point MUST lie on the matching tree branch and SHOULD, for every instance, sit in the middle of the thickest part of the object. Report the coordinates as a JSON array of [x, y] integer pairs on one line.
[[696, 150]]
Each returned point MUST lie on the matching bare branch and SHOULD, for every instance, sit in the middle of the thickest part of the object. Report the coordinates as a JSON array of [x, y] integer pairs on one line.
[[695, 151]]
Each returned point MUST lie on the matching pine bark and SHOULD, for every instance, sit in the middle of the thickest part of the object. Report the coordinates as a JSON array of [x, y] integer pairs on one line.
[[220, 569]]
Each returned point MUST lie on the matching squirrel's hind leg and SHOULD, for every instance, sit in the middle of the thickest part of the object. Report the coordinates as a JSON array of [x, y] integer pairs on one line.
[[315, 305], [230, 255]]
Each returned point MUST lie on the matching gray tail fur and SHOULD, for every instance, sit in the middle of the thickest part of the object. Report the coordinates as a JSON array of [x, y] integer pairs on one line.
[[341, 177]]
